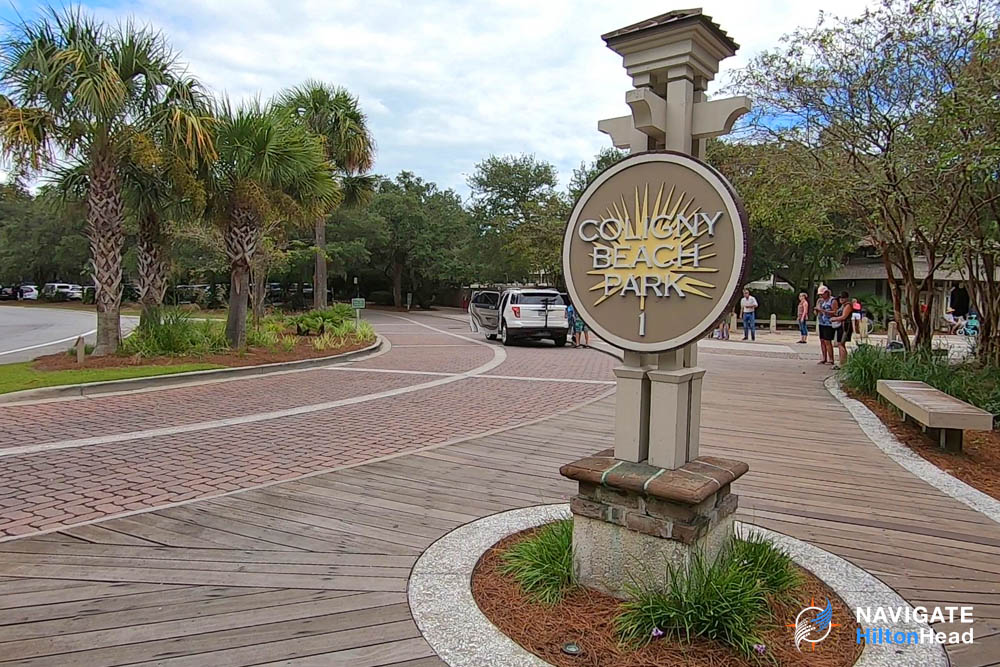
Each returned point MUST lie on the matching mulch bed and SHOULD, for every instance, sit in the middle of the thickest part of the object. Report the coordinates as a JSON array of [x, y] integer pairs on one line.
[[587, 617], [978, 464], [250, 357]]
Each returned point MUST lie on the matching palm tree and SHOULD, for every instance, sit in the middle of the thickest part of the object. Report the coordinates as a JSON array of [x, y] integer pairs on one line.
[[80, 91], [334, 115], [268, 167]]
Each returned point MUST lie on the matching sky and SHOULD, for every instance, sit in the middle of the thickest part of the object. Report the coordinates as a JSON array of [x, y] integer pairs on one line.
[[444, 83]]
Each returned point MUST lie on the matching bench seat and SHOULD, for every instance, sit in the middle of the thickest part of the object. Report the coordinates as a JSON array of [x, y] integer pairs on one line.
[[944, 416]]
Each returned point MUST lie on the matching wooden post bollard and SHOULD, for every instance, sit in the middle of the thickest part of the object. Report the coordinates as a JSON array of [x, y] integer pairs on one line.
[[774, 323], [892, 334], [864, 329], [81, 349], [732, 324]]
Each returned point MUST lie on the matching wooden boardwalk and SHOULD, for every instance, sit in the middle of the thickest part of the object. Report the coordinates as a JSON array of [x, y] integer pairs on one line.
[[314, 571]]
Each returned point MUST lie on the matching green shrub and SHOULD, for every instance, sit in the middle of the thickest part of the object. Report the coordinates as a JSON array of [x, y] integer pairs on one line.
[[319, 321], [543, 563], [327, 341], [261, 337], [87, 349], [365, 333], [966, 381], [771, 566], [174, 333], [288, 343], [777, 301], [726, 600], [382, 298]]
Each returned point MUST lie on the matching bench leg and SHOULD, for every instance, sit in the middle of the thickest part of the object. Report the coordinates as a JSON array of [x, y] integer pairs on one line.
[[951, 439]]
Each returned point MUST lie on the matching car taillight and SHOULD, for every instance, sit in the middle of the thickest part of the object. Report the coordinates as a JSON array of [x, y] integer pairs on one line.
[[516, 310]]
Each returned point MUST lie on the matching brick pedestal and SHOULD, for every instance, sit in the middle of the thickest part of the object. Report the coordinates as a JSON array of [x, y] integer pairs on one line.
[[632, 520]]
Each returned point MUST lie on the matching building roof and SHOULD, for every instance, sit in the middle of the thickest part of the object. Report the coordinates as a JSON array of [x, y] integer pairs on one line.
[[677, 17], [873, 269]]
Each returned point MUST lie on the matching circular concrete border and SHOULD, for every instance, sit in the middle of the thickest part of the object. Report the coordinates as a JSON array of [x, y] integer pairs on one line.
[[440, 594], [883, 438]]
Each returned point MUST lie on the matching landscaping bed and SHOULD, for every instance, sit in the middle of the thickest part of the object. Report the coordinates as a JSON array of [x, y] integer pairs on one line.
[[978, 464], [179, 343], [229, 359], [542, 612]]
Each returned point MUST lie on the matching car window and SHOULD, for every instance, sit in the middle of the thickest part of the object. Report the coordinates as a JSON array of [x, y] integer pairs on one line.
[[540, 298]]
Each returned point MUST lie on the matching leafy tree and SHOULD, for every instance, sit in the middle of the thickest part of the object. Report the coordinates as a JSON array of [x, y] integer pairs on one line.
[[797, 230], [334, 115], [269, 167], [418, 232], [585, 174], [851, 92], [41, 240], [964, 126], [507, 192], [75, 88]]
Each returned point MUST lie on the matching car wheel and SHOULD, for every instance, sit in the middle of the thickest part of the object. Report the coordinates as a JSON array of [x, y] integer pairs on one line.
[[504, 336], [560, 341]]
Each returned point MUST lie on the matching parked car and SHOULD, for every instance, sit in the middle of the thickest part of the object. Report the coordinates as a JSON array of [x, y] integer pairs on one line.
[[8, 293], [29, 293], [518, 314], [62, 291]]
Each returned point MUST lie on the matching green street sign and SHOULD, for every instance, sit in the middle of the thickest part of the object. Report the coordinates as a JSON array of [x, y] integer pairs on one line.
[[358, 304]]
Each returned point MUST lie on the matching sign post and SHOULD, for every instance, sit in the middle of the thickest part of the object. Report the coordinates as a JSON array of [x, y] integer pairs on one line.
[[358, 304], [654, 253]]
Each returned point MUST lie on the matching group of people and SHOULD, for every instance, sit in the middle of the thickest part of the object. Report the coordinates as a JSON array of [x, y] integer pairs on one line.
[[838, 318]]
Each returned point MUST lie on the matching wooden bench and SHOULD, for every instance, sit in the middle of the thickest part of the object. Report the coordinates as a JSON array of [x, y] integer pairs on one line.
[[942, 416]]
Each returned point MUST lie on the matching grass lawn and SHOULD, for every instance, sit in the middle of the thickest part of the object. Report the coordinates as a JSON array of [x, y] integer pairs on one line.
[[15, 377]]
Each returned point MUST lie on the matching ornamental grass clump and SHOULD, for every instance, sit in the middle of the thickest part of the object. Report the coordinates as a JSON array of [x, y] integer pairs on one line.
[[725, 600], [543, 563], [174, 333]]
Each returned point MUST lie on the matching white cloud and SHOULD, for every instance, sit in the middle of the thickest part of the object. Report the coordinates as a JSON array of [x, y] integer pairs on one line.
[[447, 83]]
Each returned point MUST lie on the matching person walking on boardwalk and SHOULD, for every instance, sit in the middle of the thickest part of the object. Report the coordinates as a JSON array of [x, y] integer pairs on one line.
[[748, 304], [825, 307], [802, 316]]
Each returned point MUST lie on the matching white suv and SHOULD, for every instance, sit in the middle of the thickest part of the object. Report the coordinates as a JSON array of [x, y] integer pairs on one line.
[[519, 314]]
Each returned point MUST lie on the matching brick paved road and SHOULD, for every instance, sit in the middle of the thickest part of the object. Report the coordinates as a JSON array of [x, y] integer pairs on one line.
[[67, 462]]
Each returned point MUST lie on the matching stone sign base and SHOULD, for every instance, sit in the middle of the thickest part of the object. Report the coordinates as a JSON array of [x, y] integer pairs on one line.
[[633, 521]]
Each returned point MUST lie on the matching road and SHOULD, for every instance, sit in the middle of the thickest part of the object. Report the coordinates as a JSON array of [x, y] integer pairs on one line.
[[34, 331]]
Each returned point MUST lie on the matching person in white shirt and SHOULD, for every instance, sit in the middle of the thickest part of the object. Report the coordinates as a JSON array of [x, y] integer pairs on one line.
[[748, 304]]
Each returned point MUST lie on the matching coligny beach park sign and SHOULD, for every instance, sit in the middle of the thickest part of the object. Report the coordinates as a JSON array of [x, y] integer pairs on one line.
[[655, 251]]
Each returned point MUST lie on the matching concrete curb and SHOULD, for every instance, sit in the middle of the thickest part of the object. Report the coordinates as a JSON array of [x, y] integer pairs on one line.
[[440, 595], [884, 439], [173, 379]]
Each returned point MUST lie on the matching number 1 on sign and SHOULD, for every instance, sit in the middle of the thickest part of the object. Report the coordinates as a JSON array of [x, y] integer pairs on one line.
[[642, 323]]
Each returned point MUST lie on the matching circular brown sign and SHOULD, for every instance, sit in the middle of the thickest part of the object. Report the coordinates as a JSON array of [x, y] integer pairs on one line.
[[655, 250]]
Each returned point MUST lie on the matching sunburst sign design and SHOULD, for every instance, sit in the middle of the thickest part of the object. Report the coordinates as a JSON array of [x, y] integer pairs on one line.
[[654, 251], [646, 250]]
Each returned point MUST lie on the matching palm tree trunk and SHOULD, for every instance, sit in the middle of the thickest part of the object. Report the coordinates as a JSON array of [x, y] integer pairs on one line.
[[319, 276], [152, 265], [259, 269], [107, 238], [242, 234]]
